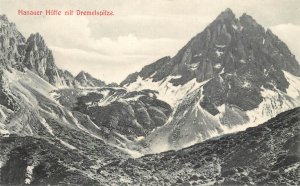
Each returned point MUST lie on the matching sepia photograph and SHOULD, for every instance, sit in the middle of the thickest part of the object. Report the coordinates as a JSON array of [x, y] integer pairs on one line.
[[161, 92]]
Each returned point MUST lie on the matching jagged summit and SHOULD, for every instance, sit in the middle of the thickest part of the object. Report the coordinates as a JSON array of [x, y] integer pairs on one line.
[[226, 14], [39, 58], [82, 72], [226, 45]]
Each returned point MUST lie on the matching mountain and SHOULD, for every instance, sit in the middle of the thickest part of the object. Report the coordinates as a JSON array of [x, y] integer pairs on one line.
[[110, 112], [33, 53], [268, 154], [233, 75], [47, 117], [227, 43], [41, 140], [86, 80]]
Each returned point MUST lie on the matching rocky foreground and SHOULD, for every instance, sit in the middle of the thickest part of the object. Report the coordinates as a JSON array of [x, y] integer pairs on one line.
[[267, 154]]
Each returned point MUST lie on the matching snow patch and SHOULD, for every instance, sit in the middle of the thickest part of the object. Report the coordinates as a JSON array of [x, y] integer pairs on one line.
[[220, 46], [47, 126], [167, 91], [235, 27], [67, 144], [246, 84], [218, 65], [221, 109], [194, 66], [294, 85], [198, 55], [242, 61], [29, 171], [4, 133], [219, 53], [140, 138], [105, 93], [293, 167], [274, 102]]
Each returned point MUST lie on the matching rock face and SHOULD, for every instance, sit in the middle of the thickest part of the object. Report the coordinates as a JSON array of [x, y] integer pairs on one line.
[[234, 74], [268, 154], [12, 44], [39, 59]]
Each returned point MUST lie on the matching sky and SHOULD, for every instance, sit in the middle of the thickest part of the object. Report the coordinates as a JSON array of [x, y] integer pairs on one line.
[[140, 32]]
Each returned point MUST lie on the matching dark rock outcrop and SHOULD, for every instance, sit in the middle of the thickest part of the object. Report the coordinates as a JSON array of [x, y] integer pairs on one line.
[[118, 114]]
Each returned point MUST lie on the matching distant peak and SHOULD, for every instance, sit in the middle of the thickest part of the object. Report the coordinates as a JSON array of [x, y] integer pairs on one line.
[[226, 14], [83, 73], [3, 17], [36, 35], [228, 10]]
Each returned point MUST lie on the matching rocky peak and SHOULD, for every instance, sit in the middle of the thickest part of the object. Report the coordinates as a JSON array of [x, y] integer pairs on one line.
[[86, 80], [82, 74], [227, 44], [37, 40], [226, 15], [38, 57], [4, 21], [247, 18], [3, 18], [248, 23]]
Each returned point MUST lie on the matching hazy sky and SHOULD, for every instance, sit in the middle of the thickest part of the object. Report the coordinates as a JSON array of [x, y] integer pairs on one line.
[[141, 31]]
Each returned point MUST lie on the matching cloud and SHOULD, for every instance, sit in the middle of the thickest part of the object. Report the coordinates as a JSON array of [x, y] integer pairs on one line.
[[108, 58], [114, 58], [105, 67], [289, 33]]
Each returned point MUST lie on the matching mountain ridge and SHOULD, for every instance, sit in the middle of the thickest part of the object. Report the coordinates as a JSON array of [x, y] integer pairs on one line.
[[34, 54]]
